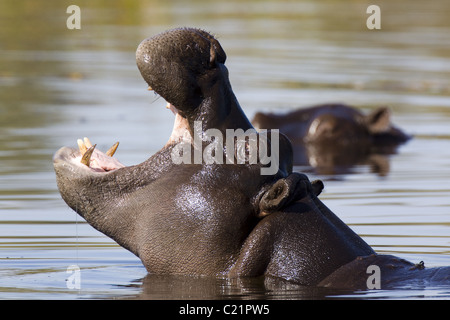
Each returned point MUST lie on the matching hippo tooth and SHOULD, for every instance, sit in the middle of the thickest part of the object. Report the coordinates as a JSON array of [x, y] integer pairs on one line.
[[81, 146], [87, 142], [113, 149], [86, 158]]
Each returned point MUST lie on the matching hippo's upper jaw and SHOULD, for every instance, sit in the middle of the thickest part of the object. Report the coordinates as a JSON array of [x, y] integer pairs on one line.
[[186, 66], [178, 64]]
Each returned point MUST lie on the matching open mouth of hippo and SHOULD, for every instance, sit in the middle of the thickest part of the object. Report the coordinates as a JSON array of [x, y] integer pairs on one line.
[[89, 156], [186, 68]]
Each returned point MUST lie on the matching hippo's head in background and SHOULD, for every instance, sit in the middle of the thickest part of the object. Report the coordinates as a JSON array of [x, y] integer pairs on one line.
[[334, 137], [343, 125]]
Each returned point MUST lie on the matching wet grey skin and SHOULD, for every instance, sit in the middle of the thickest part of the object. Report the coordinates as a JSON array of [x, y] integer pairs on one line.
[[224, 220]]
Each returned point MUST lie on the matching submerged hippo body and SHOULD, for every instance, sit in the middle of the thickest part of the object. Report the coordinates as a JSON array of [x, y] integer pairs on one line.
[[216, 219], [334, 137]]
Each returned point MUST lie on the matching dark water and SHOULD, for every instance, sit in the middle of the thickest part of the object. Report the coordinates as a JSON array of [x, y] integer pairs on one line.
[[57, 85]]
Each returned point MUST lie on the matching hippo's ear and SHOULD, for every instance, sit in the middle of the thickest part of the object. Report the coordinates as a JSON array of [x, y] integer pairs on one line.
[[379, 120], [285, 191], [216, 53]]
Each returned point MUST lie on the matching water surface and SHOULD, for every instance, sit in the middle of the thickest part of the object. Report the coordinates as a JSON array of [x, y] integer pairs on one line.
[[57, 85]]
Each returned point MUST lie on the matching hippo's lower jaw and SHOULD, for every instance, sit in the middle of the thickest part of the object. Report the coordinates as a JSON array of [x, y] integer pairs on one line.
[[97, 161], [89, 157]]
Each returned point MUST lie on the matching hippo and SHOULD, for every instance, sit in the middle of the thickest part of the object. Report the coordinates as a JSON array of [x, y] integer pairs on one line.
[[213, 218], [334, 137]]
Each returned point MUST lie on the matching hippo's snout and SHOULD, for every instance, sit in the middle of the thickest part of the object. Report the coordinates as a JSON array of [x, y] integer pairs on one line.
[[174, 62]]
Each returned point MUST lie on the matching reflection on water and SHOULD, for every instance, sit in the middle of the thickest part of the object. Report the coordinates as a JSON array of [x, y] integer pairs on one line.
[[57, 85]]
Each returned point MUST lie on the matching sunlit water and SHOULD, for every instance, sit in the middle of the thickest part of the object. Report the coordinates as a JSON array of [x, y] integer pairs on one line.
[[57, 85]]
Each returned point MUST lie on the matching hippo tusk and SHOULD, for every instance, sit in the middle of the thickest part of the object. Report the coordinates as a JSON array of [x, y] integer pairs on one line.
[[81, 146], [113, 149], [87, 143], [86, 158], [84, 145]]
